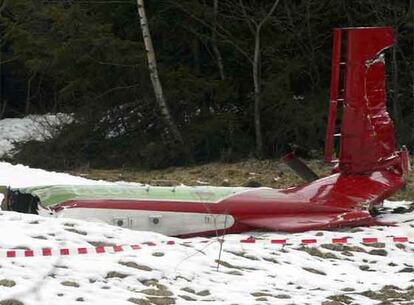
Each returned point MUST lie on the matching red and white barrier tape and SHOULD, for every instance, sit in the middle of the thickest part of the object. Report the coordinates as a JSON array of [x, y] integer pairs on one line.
[[16, 253], [320, 241]]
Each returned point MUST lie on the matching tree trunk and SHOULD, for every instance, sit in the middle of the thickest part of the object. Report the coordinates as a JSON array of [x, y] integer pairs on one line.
[[256, 67], [28, 94], [216, 50], [196, 55], [3, 108], [257, 96], [153, 71]]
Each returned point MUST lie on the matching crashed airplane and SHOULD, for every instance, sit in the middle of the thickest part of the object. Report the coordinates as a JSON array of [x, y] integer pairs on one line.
[[369, 169]]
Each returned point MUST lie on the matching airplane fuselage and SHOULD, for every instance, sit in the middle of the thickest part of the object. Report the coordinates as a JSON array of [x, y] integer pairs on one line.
[[330, 202]]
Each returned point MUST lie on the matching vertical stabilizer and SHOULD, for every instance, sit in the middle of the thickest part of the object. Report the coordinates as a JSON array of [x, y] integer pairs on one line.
[[367, 140]]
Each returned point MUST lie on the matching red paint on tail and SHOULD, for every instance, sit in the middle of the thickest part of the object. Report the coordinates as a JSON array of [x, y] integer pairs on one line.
[[367, 140]]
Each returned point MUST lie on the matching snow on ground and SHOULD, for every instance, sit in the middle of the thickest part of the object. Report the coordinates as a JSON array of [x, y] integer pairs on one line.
[[248, 274], [32, 127], [24, 176]]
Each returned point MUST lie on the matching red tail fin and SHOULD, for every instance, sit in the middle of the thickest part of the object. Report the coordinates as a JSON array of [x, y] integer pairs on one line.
[[367, 140]]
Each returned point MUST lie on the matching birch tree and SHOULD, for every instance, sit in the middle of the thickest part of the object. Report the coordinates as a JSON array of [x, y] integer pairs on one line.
[[154, 76]]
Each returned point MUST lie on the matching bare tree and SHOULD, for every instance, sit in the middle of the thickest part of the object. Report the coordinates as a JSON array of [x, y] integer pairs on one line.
[[154, 76], [216, 50], [255, 25], [255, 22]]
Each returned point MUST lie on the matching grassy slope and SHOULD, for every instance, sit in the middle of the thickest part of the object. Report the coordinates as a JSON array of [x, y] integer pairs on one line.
[[272, 173]]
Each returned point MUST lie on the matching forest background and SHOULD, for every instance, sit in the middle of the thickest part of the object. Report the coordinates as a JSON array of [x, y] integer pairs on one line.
[[240, 78]]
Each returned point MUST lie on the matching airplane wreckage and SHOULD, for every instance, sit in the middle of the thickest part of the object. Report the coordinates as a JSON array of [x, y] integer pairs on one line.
[[369, 169]]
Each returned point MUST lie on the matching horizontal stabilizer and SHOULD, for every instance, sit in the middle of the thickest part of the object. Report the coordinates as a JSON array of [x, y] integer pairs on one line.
[[299, 167]]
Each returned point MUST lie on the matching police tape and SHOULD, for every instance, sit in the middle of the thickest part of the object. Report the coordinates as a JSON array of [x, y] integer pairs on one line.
[[79, 251]]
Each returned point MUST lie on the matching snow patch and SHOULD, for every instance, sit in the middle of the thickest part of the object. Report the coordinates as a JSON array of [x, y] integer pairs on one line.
[[24, 176], [32, 127], [247, 274]]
